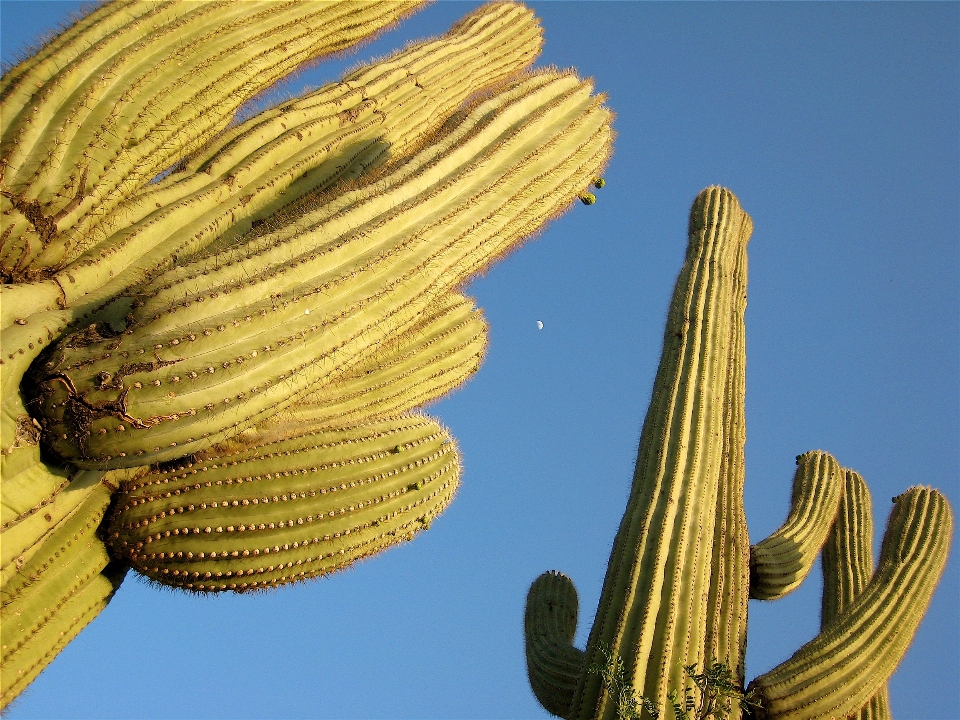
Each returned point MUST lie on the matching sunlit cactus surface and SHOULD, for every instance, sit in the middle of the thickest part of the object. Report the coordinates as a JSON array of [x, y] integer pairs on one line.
[[216, 332]]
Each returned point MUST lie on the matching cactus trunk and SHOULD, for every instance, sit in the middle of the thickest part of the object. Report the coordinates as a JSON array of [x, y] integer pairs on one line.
[[667, 581]]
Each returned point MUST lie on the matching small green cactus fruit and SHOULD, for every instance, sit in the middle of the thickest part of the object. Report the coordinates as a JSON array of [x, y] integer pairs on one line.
[[599, 183], [587, 198], [681, 568], [295, 503]]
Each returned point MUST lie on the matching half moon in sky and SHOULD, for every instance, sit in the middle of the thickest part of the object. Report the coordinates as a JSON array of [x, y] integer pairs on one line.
[[539, 325]]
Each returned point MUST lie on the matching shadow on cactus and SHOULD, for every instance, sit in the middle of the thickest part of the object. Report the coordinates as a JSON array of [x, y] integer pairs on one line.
[[230, 353], [682, 568]]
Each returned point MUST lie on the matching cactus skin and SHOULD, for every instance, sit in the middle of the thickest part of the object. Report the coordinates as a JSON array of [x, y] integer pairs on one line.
[[58, 185], [306, 504], [829, 676], [847, 564], [298, 307], [676, 587], [90, 239], [779, 563], [554, 665]]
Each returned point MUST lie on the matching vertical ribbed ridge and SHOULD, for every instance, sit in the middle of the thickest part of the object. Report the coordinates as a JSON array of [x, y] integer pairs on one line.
[[666, 575], [839, 671], [847, 569], [779, 563], [554, 665]]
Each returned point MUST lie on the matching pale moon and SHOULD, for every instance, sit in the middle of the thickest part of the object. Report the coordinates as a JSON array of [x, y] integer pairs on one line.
[[539, 325]]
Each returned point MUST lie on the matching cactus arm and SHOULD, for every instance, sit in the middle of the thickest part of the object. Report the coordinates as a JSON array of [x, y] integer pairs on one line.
[[655, 602], [839, 671], [384, 253], [199, 79], [307, 504], [304, 147], [554, 665], [420, 366], [779, 563], [847, 568]]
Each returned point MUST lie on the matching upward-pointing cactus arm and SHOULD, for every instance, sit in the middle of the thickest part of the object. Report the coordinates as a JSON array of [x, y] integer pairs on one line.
[[779, 563], [836, 673], [554, 665], [847, 564], [301, 147]]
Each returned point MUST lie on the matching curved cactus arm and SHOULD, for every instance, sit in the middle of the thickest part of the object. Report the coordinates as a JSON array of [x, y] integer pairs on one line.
[[663, 599], [434, 357], [276, 158], [149, 92], [554, 665], [779, 563], [847, 568], [839, 671], [308, 300], [307, 503]]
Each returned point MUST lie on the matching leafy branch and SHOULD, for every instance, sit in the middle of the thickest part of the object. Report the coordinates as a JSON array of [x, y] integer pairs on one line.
[[716, 687]]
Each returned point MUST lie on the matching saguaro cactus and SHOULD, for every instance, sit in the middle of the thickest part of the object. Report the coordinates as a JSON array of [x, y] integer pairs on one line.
[[185, 297], [681, 569]]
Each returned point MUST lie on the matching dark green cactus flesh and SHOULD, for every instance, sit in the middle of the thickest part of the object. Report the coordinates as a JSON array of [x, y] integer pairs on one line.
[[675, 592]]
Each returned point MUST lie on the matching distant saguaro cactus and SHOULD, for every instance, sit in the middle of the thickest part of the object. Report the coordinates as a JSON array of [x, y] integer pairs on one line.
[[682, 569], [221, 329]]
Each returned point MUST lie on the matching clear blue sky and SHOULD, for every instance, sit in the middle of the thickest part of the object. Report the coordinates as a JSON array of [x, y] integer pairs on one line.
[[836, 124]]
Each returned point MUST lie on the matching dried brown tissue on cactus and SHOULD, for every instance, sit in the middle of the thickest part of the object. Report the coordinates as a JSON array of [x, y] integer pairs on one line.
[[674, 599], [281, 303]]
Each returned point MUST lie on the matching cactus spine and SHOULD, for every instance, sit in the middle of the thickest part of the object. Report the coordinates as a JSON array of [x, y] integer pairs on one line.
[[276, 302], [681, 569]]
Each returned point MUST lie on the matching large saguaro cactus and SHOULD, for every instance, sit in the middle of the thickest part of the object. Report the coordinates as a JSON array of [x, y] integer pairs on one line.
[[220, 329], [681, 569]]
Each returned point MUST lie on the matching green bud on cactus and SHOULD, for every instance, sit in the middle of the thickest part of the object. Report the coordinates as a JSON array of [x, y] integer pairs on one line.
[[587, 198], [599, 183]]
